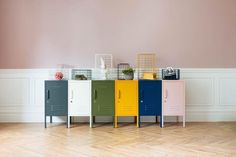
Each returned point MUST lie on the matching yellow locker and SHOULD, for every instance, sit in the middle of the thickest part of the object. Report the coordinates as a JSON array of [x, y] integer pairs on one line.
[[126, 99]]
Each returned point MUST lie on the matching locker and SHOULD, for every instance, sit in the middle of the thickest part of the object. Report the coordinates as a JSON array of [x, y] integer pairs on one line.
[[103, 98], [126, 99], [79, 96], [56, 98], [150, 98], [173, 97]]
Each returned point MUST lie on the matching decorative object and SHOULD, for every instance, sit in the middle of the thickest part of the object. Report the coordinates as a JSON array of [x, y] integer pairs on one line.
[[170, 74], [149, 76], [81, 74], [58, 75], [65, 70], [103, 61], [146, 62], [111, 74], [80, 77], [120, 68], [102, 65], [128, 73]]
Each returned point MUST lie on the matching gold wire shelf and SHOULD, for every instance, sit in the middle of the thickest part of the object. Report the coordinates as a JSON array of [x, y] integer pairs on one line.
[[146, 66]]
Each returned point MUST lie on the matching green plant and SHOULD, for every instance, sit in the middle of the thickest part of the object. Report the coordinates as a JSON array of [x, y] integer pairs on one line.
[[128, 71], [80, 77]]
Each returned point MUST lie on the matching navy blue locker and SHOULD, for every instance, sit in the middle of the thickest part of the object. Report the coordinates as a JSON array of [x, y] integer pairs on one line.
[[150, 98]]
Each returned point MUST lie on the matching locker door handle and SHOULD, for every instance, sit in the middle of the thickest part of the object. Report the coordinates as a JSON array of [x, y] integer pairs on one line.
[[119, 95], [72, 94], [95, 94], [166, 94], [48, 94], [141, 94]]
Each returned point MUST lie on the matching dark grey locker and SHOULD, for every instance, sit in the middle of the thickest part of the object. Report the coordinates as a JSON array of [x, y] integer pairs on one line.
[[56, 99]]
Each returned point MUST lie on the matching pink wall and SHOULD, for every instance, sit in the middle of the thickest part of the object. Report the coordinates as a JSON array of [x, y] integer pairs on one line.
[[183, 33]]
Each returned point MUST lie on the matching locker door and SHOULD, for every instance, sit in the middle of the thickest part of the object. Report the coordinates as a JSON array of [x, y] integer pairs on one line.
[[173, 97], [103, 98], [126, 98], [150, 97], [56, 96], [73, 105], [84, 98], [79, 98]]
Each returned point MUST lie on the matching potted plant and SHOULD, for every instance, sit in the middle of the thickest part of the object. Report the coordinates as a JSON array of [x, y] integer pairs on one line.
[[128, 73]]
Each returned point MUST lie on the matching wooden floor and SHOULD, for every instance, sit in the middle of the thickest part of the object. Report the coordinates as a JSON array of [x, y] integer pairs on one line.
[[197, 139]]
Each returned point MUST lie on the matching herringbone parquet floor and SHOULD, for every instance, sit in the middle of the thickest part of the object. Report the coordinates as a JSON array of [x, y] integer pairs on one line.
[[196, 140]]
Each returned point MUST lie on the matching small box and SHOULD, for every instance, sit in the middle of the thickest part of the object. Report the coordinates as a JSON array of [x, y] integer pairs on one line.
[[149, 76]]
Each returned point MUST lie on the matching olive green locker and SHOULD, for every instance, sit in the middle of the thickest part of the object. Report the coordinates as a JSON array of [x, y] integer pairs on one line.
[[102, 98]]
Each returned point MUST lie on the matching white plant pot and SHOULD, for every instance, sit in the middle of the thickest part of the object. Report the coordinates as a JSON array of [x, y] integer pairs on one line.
[[129, 77]]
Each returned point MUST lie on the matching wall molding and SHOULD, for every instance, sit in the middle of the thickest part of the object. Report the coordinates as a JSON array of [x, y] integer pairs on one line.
[[210, 95]]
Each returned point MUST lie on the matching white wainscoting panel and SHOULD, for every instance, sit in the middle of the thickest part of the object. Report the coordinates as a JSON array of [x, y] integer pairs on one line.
[[10, 88], [210, 95], [199, 91], [227, 91]]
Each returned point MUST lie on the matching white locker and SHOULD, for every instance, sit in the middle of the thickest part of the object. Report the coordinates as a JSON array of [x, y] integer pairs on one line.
[[79, 98]]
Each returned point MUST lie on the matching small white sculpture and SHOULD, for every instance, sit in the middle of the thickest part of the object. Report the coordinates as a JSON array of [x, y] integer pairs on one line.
[[103, 65]]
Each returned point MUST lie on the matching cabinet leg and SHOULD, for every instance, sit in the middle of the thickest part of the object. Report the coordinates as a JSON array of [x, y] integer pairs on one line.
[[91, 121], [68, 121], [184, 121], [94, 119], [138, 121], [162, 121], [116, 119], [156, 119], [50, 119], [135, 119], [45, 121]]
